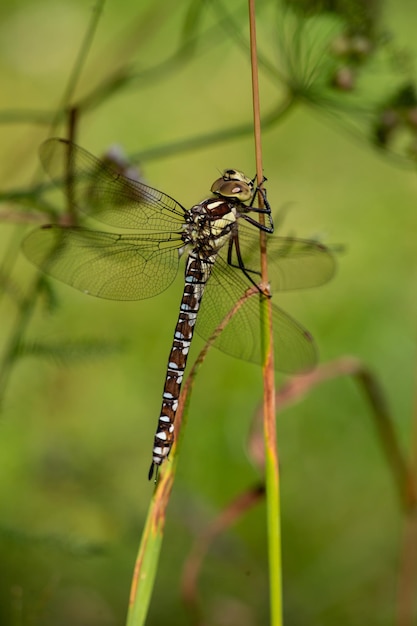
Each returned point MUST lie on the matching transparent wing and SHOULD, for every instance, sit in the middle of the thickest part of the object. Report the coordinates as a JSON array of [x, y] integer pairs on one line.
[[292, 263], [106, 265], [99, 191], [294, 348]]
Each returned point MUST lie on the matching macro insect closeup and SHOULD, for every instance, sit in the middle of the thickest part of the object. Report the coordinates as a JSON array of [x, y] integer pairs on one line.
[[219, 236]]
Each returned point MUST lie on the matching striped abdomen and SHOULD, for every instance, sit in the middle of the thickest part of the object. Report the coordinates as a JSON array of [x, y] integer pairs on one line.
[[197, 273]]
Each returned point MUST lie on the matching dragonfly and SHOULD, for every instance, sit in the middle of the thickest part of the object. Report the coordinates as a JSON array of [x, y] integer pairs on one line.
[[219, 238]]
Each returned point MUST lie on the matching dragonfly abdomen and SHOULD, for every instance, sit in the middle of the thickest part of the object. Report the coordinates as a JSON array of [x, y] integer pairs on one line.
[[197, 273]]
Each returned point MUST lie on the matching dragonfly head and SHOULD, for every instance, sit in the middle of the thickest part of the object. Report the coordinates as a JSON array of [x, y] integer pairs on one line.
[[234, 184]]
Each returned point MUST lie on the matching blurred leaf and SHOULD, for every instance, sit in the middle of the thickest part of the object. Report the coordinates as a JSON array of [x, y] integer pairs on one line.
[[70, 352], [191, 26], [8, 286], [77, 546]]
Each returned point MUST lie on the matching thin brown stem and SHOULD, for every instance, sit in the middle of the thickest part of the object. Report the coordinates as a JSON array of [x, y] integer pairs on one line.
[[194, 563], [271, 451]]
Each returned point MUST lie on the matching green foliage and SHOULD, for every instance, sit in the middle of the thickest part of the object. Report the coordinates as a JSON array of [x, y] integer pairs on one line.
[[69, 352], [173, 88]]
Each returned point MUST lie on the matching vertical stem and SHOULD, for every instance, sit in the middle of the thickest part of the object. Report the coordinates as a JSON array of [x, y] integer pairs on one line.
[[407, 578], [271, 453], [69, 168]]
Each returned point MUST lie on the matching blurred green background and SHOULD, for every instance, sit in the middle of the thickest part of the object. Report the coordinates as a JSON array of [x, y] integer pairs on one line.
[[75, 442]]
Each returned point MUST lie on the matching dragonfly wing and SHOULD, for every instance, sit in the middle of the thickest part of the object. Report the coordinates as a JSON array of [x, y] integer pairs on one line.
[[292, 263], [99, 191], [294, 348], [106, 265]]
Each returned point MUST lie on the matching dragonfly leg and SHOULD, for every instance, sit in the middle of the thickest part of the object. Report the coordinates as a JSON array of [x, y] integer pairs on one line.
[[241, 265], [153, 468], [265, 211], [264, 179], [266, 229]]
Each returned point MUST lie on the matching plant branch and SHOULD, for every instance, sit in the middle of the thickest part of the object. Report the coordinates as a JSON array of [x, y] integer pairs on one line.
[[271, 452]]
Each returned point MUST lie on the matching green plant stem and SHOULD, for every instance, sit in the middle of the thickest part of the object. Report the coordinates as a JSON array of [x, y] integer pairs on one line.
[[272, 483], [273, 512], [148, 556], [271, 452], [79, 62]]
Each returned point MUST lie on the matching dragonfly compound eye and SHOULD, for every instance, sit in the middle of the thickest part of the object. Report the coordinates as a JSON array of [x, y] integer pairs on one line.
[[233, 184], [238, 176]]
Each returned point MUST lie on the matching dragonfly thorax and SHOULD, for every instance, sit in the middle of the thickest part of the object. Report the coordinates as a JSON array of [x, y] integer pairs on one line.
[[210, 224]]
